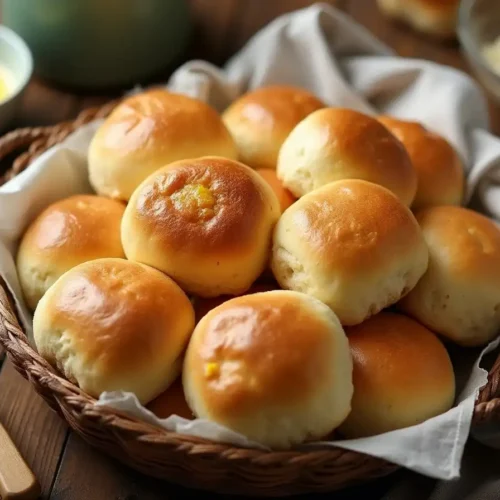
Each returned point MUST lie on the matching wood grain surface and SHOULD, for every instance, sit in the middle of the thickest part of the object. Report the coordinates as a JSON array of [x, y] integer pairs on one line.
[[66, 468]]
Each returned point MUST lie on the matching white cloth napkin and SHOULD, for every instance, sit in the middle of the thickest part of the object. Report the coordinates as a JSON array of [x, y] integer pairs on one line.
[[320, 49]]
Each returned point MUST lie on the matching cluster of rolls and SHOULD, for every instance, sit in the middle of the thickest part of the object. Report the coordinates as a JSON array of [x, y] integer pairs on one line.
[[286, 269]]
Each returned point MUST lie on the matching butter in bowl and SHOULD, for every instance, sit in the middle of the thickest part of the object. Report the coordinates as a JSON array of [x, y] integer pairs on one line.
[[16, 67]]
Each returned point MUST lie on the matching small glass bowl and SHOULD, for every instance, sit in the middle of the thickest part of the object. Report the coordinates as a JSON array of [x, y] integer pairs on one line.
[[479, 27]]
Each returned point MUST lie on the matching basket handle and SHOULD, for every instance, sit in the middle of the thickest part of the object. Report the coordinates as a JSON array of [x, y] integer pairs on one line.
[[35, 140]]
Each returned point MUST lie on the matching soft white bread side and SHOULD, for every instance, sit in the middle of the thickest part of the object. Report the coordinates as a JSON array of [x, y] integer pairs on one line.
[[274, 366], [459, 295], [112, 324], [351, 244]]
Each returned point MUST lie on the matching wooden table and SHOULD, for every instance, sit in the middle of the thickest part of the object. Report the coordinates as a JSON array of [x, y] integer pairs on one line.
[[65, 466]]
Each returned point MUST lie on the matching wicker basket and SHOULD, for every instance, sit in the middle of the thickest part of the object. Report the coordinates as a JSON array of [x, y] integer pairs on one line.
[[182, 459]]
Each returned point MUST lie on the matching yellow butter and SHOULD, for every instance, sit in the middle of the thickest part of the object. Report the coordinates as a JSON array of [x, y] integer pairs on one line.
[[6, 83], [195, 199], [212, 369]]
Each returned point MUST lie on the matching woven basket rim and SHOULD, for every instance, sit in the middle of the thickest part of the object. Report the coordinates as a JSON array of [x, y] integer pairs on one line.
[[69, 397]]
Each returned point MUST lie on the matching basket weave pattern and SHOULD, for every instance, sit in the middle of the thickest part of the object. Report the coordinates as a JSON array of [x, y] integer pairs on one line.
[[184, 460]]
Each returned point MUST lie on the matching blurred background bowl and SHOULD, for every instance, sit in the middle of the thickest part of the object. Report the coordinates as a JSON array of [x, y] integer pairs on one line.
[[16, 68], [479, 34], [100, 43]]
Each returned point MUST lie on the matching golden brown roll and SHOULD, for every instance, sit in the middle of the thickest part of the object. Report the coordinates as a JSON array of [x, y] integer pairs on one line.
[[206, 222], [402, 376], [273, 366], [459, 295], [334, 144], [353, 245], [284, 196], [203, 305], [149, 130], [432, 17], [171, 402], [261, 119], [440, 173], [68, 232], [115, 325]]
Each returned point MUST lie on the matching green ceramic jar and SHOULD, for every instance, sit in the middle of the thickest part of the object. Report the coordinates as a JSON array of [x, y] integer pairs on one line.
[[100, 43]]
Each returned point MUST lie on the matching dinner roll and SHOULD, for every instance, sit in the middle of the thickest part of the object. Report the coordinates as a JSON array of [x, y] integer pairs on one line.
[[334, 144], [115, 325], [68, 232], [206, 222], [171, 402], [432, 17], [459, 295], [273, 366], [353, 245], [261, 119], [284, 196], [402, 376], [439, 169], [147, 131]]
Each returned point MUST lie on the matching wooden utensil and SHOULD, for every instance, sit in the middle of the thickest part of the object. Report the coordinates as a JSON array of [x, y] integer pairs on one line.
[[16, 479]]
